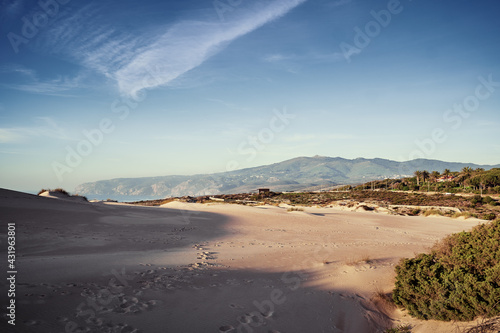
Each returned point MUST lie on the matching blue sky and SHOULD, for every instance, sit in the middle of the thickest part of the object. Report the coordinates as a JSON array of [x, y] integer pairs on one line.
[[94, 90]]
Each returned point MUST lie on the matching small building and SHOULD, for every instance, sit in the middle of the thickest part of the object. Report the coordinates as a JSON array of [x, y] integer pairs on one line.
[[445, 179], [263, 191]]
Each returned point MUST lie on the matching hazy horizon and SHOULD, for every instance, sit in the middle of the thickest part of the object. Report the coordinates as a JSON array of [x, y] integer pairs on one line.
[[101, 90]]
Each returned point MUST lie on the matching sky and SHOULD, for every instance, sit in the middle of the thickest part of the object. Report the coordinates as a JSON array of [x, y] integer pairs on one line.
[[93, 90]]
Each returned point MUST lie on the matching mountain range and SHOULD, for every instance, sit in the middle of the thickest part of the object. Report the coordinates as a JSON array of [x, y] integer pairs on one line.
[[301, 173]]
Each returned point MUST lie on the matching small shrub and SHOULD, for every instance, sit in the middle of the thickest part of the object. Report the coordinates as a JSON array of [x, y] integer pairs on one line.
[[415, 212], [295, 209], [489, 216], [490, 201], [477, 199], [60, 190]]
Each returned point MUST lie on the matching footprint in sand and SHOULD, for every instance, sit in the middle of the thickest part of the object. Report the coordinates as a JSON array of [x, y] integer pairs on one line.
[[226, 328], [31, 322], [267, 314], [245, 319]]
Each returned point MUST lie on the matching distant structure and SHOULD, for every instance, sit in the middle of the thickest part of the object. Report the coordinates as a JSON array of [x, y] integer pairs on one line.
[[445, 179], [264, 191]]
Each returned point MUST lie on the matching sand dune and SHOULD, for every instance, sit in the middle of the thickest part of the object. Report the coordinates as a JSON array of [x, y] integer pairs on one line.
[[95, 267]]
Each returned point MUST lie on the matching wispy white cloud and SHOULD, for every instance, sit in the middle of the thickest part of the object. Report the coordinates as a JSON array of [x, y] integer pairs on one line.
[[156, 57], [35, 85], [17, 69], [44, 127], [51, 87], [277, 57], [311, 57]]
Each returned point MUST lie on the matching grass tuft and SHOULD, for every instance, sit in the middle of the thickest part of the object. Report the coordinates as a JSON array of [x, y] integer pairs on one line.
[[295, 209], [433, 212]]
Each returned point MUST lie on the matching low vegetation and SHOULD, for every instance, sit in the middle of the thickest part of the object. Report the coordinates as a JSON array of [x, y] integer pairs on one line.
[[401, 203], [60, 190], [399, 329], [458, 280], [295, 209], [63, 192], [151, 203], [468, 180]]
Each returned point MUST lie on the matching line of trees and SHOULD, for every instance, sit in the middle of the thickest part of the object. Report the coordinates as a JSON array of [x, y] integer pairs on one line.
[[467, 180]]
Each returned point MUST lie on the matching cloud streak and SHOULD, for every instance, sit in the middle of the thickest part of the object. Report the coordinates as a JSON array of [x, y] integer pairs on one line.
[[35, 85], [47, 127], [157, 57]]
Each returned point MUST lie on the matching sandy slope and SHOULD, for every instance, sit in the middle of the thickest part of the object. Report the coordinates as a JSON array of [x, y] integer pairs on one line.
[[96, 267]]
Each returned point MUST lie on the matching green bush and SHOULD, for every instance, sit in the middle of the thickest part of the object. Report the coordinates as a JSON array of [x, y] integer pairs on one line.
[[490, 201], [477, 199], [458, 280], [489, 216]]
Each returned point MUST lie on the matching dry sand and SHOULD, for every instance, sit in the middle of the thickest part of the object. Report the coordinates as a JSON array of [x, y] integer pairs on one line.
[[95, 267]]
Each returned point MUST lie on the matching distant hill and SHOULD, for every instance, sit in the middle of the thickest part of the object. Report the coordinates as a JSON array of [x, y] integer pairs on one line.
[[296, 174]]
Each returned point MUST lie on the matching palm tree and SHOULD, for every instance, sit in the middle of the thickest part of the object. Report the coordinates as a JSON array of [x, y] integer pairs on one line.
[[434, 175], [418, 174], [446, 172], [425, 174], [467, 170], [465, 175]]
